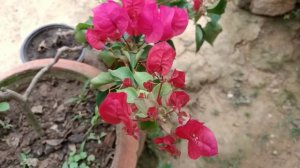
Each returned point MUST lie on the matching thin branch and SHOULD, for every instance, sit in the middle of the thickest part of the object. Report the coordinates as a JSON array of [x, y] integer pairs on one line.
[[46, 68]]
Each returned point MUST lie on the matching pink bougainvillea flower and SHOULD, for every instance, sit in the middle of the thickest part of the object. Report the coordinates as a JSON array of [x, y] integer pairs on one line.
[[179, 99], [111, 19], [132, 128], [162, 23], [182, 117], [160, 58], [149, 85], [178, 79], [197, 4], [201, 140], [134, 9], [175, 21], [150, 23], [133, 107], [168, 144], [127, 82], [116, 110], [96, 38], [142, 96], [153, 112]]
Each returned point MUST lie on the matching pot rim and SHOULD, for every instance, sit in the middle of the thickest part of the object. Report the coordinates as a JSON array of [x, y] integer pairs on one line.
[[34, 33], [127, 147]]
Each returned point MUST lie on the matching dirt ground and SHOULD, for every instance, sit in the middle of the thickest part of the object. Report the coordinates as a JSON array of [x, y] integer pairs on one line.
[[246, 88]]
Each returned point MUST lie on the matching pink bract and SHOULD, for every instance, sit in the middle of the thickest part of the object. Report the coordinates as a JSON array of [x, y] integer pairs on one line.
[[160, 58], [134, 9], [96, 38], [162, 23], [201, 140], [149, 85], [197, 4], [111, 19], [115, 109], [167, 143], [179, 99], [127, 82], [175, 21], [178, 79], [152, 112], [150, 23]]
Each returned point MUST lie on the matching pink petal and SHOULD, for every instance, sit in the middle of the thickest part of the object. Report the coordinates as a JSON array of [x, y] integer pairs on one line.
[[96, 39], [111, 18], [205, 145], [167, 15], [202, 141], [150, 24], [180, 21], [134, 9], [160, 59]]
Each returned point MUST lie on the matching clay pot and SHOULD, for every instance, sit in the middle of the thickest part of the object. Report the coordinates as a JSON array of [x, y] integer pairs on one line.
[[127, 148]]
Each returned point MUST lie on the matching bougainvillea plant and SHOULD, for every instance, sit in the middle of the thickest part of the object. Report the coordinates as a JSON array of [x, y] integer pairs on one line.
[[140, 89]]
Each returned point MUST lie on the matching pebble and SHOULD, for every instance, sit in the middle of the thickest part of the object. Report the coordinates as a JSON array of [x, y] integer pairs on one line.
[[37, 109], [230, 95], [275, 152]]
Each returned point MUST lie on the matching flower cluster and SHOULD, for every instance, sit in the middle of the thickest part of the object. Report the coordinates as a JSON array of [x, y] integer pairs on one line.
[[135, 39], [136, 17]]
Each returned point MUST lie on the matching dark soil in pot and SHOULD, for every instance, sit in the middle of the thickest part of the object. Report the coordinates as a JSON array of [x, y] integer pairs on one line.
[[44, 43], [67, 129]]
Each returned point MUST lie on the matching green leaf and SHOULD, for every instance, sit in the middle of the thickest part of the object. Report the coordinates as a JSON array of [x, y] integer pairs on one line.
[[166, 89], [74, 165], [199, 37], [211, 32], [132, 59], [171, 44], [150, 126], [131, 94], [165, 165], [4, 106], [140, 114], [214, 17], [81, 28], [87, 24], [77, 158], [65, 165], [146, 52], [107, 57], [122, 73], [102, 79], [100, 96], [83, 165], [178, 3], [91, 158], [117, 46], [141, 78], [83, 155], [141, 105], [218, 7], [80, 36]]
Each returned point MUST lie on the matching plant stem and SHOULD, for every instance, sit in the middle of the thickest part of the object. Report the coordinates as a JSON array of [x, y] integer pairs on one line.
[[126, 43], [160, 87]]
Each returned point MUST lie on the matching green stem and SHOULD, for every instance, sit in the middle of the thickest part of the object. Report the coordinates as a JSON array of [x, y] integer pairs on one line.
[[160, 87]]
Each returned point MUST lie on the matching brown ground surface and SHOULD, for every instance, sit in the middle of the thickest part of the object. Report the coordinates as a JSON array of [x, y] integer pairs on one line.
[[246, 87]]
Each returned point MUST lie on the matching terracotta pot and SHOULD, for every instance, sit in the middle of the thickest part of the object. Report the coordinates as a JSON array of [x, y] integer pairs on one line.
[[127, 148]]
